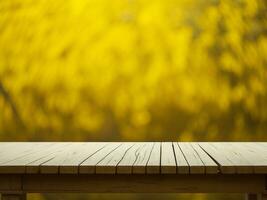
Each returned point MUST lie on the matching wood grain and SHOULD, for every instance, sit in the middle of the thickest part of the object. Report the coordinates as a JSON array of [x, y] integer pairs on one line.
[[133, 157], [168, 162]]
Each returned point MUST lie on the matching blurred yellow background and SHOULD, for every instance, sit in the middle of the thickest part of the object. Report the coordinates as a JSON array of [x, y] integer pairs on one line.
[[139, 70]]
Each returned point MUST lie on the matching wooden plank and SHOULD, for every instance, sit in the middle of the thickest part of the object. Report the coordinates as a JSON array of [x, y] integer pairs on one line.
[[168, 183], [226, 166], [182, 164], [168, 163], [262, 144], [51, 166], [143, 155], [19, 164], [68, 161], [5, 147], [33, 167], [255, 154], [18, 150], [195, 163], [71, 165], [210, 166], [10, 182], [89, 165], [242, 165], [125, 166], [153, 164], [109, 164], [243, 158]]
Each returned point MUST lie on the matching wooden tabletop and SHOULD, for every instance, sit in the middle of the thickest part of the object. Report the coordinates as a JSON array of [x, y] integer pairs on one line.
[[133, 158]]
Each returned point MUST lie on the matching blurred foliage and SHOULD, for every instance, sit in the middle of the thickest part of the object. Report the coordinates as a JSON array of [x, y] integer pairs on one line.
[[133, 70]]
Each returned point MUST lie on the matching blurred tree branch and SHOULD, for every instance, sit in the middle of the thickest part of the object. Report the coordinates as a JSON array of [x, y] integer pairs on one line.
[[9, 100]]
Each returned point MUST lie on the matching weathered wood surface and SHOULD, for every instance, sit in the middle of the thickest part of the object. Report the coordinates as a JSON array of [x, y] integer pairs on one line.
[[133, 158], [136, 183]]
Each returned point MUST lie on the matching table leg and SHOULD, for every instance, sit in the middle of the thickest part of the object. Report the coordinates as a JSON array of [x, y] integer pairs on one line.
[[14, 196]]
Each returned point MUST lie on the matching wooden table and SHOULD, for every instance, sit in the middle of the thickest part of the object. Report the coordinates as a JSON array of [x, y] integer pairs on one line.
[[139, 167]]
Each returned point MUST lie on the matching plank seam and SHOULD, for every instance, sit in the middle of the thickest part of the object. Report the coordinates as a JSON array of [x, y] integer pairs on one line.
[[205, 169], [149, 156], [160, 155], [90, 156], [68, 144], [225, 156], [58, 150], [116, 168], [136, 156], [28, 152], [176, 163], [106, 156], [219, 168], [45, 162], [184, 157]]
